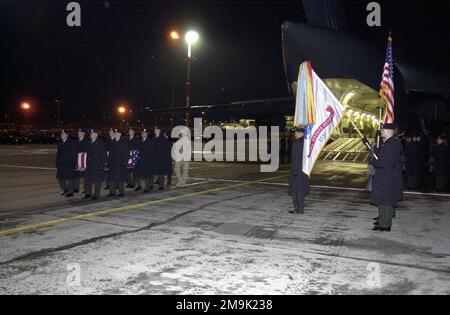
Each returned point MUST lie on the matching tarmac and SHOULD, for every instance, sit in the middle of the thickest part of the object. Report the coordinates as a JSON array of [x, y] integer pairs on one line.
[[227, 232]]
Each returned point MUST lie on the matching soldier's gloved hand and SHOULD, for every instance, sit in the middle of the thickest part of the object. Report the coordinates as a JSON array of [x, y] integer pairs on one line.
[[365, 141]]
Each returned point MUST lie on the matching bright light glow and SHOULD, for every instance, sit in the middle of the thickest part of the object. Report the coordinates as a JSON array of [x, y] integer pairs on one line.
[[25, 106], [121, 109], [174, 35], [357, 113], [191, 37], [350, 111]]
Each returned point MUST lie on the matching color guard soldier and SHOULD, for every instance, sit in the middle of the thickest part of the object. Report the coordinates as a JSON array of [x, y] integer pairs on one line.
[[387, 187], [298, 181], [95, 166]]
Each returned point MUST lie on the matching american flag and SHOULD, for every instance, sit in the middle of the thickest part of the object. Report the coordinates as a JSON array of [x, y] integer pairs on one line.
[[387, 84], [81, 162], [133, 158]]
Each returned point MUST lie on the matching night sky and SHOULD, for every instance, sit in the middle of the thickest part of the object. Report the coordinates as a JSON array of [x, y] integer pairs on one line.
[[122, 52]]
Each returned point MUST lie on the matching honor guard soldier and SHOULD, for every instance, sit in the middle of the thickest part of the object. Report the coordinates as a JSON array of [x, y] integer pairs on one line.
[[65, 164], [117, 165], [108, 142], [133, 145], [415, 162], [168, 169], [95, 166], [81, 149], [298, 181], [160, 156], [144, 164], [387, 186]]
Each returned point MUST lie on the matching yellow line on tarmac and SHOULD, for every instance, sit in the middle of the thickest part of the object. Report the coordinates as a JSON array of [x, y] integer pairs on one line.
[[31, 227]]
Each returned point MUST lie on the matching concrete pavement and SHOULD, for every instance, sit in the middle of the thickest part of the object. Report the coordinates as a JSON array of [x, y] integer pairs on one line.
[[227, 233]]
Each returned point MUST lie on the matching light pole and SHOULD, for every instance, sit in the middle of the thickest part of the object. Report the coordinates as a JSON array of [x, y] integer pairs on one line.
[[174, 37], [121, 110], [191, 38], [58, 111], [26, 108]]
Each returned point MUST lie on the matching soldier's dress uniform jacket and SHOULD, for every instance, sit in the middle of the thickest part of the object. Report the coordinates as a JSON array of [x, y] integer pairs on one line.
[[298, 181], [66, 160], [442, 160], [415, 158], [387, 186], [95, 162], [144, 164], [159, 166], [118, 161]]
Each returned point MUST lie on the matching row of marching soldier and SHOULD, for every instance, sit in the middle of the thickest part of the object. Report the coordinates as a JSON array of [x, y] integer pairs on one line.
[[116, 160]]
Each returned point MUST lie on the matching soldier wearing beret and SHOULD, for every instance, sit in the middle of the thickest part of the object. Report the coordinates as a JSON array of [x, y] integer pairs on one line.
[[387, 186], [95, 165], [144, 164], [117, 164], [81, 147], [65, 164], [298, 181], [133, 144]]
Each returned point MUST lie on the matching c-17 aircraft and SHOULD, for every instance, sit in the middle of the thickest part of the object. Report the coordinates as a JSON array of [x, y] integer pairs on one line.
[[349, 64]]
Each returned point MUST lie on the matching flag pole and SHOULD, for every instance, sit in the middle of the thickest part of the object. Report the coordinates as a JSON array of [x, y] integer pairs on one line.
[[364, 140]]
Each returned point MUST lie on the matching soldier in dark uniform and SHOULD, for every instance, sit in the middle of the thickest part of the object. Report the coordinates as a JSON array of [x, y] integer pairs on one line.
[[159, 156], [387, 186], [298, 181], [65, 164], [81, 146], [95, 166], [442, 163], [108, 142], [117, 164], [133, 144], [415, 162], [168, 169], [144, 165]]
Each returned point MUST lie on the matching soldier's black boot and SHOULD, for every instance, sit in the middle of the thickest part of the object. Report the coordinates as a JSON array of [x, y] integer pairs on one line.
[[86, 197], [382, 229]]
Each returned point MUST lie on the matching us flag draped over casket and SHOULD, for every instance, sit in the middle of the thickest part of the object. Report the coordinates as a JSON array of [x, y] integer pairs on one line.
[[81, 162], [133, 159]]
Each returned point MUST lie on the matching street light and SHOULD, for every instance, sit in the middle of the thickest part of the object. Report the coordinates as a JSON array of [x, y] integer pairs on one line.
[[121, 110], [25, 106], [174, 35], [191, 38]]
